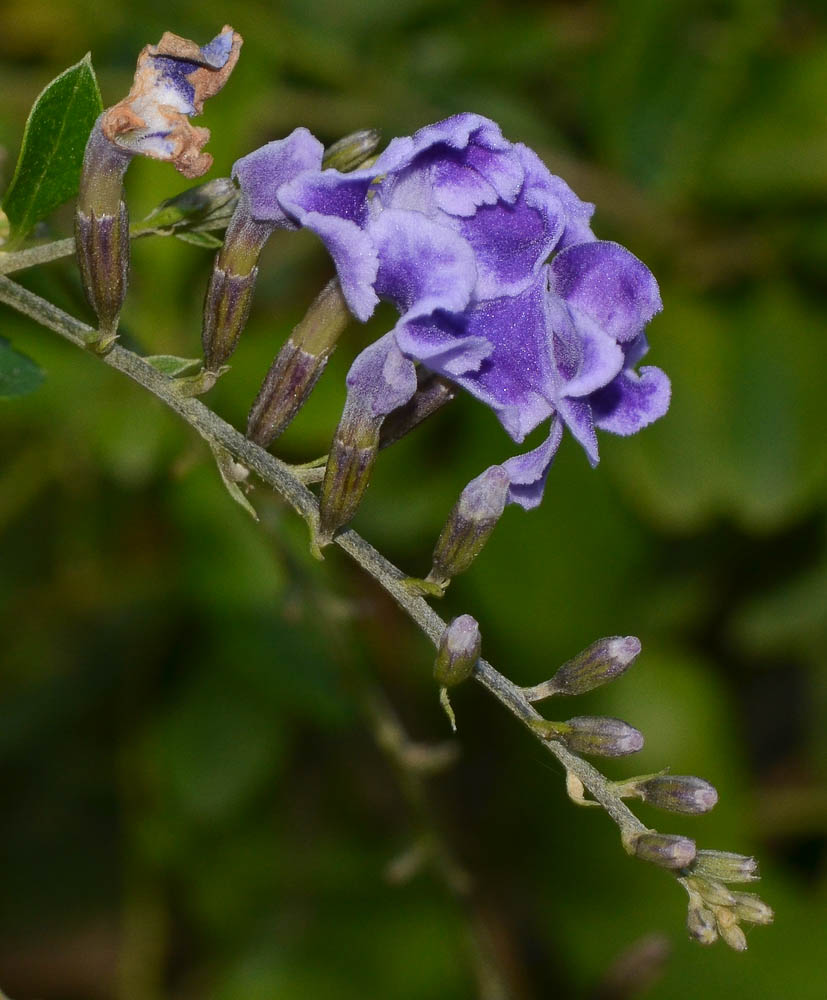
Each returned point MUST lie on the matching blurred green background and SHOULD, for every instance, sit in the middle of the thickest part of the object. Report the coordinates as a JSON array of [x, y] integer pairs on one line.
[[193, 805]]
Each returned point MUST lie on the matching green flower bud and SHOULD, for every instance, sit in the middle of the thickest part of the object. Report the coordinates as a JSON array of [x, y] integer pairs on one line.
[[351, 151], [457, 652], [298, 365], [752, 908], [726, 866], [700, 922], [729, 930]]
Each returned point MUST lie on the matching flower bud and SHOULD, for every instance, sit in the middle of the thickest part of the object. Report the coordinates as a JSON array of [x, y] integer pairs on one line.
[[729, 930], [469, 525], [457, 652], [351, 151], [380, 380], [752, 908], [102, 243], [298, 365], [712, 892], [664, 849], [230, 289], [205, 206], [596, 665], [347, 474], [432, 393], [700, 922], [726, 866], [601, 736], [677, 793]]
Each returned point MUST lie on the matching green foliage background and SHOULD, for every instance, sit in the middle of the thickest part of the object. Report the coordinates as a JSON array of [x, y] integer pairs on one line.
[[193, 806]]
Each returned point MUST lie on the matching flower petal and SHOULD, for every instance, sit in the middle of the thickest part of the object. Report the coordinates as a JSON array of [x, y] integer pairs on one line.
[[577, 416], [528, 473], [381, 379], [423, 266], [262, 172], [632, 401], [608, 284], [515, 379]]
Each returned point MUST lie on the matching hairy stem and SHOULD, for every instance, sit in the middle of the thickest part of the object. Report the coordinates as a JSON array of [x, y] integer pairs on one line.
[[281, 478]]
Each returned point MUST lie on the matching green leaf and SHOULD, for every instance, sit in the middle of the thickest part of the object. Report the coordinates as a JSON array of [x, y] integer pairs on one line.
[[169, 364], [19, 375], [199, 239], [51, 154]]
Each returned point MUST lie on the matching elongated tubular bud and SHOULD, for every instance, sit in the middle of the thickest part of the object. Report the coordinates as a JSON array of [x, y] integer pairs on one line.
[[102, 228], [676, 793], [469, 525], [726, 866], [351, 151], [298, 365], [433, 392], [663, 849], [598, 664], [230, 289], [597, 735], [347, 474]]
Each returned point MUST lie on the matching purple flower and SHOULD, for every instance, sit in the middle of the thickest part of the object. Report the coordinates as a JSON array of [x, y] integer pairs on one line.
[[172, 81], [501, 287], [452, 187]]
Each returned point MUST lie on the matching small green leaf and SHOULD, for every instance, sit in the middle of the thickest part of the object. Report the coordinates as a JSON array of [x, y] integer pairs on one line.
[[199, 239], [51, 154], [169, 364], [19, 375], [233, 476]]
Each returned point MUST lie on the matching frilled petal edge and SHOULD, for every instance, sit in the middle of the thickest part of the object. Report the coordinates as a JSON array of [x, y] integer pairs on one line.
[[632, 401], [607, 283], [262, 172]]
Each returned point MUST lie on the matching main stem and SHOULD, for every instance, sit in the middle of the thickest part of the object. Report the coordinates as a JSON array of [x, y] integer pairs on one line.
[[279, 477]]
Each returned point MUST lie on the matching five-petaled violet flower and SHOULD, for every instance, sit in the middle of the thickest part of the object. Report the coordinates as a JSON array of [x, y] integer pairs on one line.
[[501, 286]]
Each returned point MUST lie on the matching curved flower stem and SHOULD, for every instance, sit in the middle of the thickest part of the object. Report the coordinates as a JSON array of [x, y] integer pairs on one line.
[[279, 476]]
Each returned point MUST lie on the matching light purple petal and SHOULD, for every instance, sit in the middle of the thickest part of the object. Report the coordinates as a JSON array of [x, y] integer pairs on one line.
[[575, 213], [511, 242], [262, 172], [632, 401], [329, 193], [423, 266], [459, 189], [515, 379], [528, 473], [441, 343], [381, 379], [600, 359], [608, 284], [577, 416], [355, 257]]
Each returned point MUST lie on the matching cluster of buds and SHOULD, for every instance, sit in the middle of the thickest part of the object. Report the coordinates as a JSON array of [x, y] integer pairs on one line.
[[715, 910]]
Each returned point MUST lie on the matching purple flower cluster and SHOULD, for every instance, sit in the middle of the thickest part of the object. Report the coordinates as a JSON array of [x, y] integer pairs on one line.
[[500, 284]]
